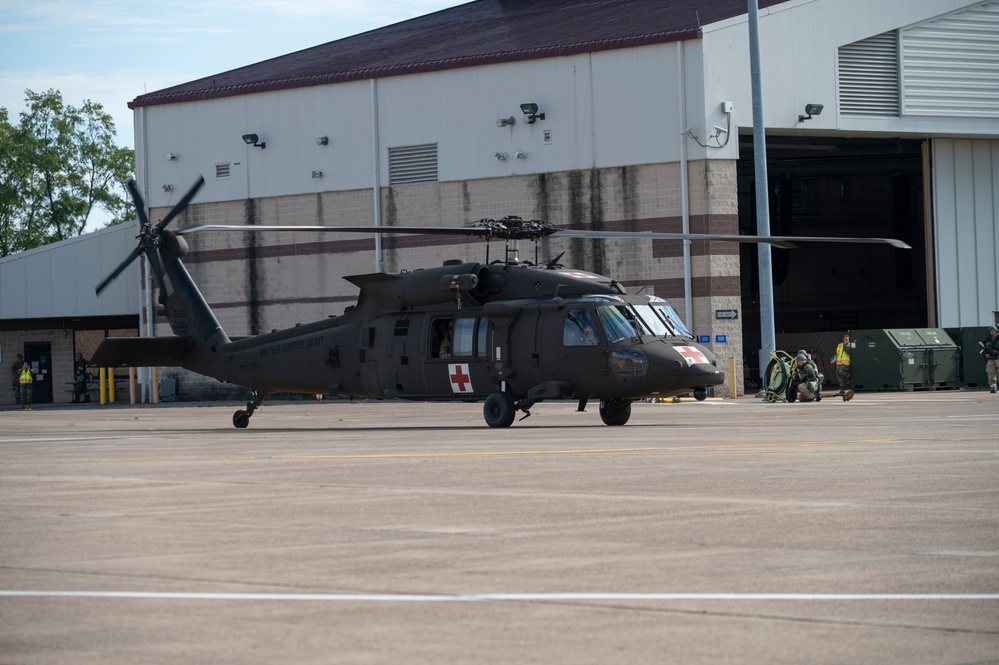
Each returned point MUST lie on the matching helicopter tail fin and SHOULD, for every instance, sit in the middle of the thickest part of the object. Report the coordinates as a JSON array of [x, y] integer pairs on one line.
[[140, 352]]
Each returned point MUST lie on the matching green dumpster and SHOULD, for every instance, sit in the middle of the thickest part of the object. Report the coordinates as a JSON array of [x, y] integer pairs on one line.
[[904, 359], [972, 364]]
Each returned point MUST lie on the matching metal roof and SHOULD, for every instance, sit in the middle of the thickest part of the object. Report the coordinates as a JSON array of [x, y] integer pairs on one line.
[[476, 33]]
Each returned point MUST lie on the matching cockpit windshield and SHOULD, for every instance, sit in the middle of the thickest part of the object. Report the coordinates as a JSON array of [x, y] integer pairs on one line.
[[620, 322], [665, 313], [653, 321]]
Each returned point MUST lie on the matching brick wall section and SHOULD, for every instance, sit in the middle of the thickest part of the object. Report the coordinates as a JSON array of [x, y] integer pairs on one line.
[[13, 343], [259, 282]]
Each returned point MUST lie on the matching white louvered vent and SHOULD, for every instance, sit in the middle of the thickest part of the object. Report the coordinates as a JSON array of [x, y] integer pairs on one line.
[[868, 76], [413, 164], [221, 171], [950, 65]]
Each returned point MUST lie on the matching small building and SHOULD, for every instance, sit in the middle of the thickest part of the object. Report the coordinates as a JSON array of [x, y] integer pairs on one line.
[[49, 310]]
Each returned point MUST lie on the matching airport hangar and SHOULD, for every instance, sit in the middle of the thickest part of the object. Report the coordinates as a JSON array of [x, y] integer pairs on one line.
[[647, 125]]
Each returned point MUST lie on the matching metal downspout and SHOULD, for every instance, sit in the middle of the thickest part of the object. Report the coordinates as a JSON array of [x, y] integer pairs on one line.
[[376, 174], [688, 298]]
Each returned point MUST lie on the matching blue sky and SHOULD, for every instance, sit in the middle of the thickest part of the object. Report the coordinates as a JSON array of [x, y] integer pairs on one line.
[[111, 51]]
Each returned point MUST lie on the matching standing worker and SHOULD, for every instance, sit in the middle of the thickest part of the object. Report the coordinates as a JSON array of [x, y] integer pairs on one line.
[[842, 362], [990, 351], [15, 383], [80, 379], [26, 380]]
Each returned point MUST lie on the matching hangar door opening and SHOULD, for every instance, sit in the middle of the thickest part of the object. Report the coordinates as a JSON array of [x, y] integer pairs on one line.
[[830, 186]]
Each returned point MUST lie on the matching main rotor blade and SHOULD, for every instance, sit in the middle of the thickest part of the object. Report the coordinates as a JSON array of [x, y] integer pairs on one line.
[[140, 205], [785, 242], [179, 208], [423, 230], [117, 271]]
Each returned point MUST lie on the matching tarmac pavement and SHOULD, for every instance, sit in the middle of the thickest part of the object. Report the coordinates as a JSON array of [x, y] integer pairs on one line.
[[729, 531]]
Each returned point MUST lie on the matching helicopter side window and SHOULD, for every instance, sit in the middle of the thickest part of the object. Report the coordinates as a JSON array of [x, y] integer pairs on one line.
[[464, 335], [481, 346], [441, 333], [578, 329]]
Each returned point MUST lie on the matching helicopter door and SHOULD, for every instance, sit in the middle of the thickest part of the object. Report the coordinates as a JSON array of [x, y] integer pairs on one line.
[[580, 350], [457, 359]]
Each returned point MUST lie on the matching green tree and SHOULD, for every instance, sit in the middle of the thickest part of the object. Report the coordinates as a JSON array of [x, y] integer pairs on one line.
[[57, 166]]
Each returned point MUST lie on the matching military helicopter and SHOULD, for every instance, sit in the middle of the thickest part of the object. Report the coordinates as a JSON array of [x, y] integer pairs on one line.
[[510, 333]]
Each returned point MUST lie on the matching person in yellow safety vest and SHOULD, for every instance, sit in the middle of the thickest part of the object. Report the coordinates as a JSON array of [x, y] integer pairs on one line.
[[842, 362], [26, 380]]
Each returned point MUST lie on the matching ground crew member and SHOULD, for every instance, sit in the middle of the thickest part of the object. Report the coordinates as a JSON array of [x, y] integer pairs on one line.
[[990, 352], [26, 380], [80, 379], [15, 383], [842, 362], [804, 380]]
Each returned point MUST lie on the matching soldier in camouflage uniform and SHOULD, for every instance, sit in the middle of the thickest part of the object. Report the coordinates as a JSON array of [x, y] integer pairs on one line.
[[990, 352], [804, 380]]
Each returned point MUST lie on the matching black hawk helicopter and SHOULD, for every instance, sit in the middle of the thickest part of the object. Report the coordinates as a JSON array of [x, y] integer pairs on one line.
[[509, 333]]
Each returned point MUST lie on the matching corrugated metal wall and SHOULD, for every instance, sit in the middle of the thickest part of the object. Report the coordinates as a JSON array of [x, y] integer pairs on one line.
[[966, 231], [59, 279], [950, 65]]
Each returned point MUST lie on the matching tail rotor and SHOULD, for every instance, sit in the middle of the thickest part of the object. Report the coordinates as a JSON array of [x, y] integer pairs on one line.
[[150, 237]]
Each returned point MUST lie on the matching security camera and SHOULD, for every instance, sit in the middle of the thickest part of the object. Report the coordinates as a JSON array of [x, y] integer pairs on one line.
[[720, 130], [504, 122]]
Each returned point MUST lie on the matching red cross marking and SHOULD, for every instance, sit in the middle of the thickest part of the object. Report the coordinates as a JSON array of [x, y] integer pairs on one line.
[[461, 382], [691, 355]]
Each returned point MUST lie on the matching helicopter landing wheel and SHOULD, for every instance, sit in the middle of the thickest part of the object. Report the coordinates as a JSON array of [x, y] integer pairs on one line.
[[499, 410], [240, 419], [615, 411]]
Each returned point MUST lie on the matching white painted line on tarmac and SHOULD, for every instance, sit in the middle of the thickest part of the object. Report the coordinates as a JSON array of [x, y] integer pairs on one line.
[[63, 439], [493, 597]]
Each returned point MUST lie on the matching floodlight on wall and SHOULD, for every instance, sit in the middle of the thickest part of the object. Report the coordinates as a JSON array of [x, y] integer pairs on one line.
[[171, 157], [167, 188], [254, 140], [530, 111], [810, 110], [506, 122], [323, 140], [501, 156], [520, 154]]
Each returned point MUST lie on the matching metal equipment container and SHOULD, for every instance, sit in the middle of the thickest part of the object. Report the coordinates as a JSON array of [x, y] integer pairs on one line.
[[972, 364], [904, 359]]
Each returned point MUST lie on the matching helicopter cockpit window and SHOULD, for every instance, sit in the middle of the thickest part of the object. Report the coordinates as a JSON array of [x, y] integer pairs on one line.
[[666, 312], [656, 325], [619, 323], [578, 329]]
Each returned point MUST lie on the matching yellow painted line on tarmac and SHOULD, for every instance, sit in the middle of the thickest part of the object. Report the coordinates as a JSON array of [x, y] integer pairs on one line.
[[733, 447], [479, 453]]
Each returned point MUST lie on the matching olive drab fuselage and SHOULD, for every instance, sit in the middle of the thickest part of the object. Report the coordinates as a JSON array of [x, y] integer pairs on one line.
[[453, 333]]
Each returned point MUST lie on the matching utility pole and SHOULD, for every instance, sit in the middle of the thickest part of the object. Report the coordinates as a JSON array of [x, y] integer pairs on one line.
[[768, 338]]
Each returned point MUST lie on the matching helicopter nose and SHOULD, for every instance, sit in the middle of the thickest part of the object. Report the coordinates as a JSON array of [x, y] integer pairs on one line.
[[698, 367]]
